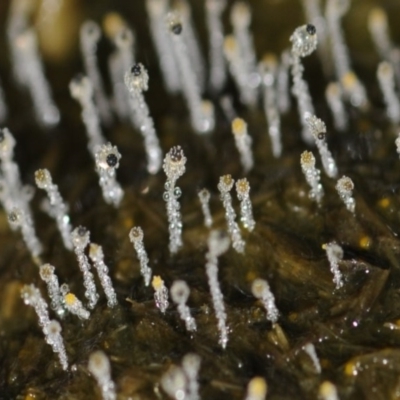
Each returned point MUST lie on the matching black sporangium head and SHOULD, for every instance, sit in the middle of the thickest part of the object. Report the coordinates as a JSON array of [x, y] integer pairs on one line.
[[311, 30], [136, 70], [112, 160], [176, 28]]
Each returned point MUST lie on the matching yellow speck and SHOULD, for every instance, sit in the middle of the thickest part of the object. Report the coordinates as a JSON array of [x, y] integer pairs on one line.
[[157, 282], [70, 299], [349, 80], [323, 247], [112, 24], [230, 43], [30, 396], [239, 126], [365, 242], [384, 203], [350, 369], [257, 388]]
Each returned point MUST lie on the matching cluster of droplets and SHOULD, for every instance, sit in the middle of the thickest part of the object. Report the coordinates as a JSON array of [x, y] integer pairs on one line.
[[225, 185], [80, 240], [136, 237]]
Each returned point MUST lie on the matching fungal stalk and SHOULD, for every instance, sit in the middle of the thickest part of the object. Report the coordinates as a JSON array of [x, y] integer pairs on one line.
[[160, 293], [304, 42], [334, 253], [81, 89], [318, 129], [378, 28], [191, 367], [52, 333], [157, 11], [12, 191], [137, 81], [136, 237], [32, 297], [282, 82], [120, 61], [243, 143], [53, 288], [386, 81], [312, 175], [204, 197], [58, 209], [354, 91], [241, 19], [107, 161], [246, 209], [32, 75], [99, 367], [262, 292], [174, 167], [180, 293], [345, 187], [97, 256], [18, 219], [218, 244], [334, 98], [52, 330], [224, 186], [335, 10], [237, 68], [201, 112], [268, 71], [17, 21], [192, 43], [89, 37], [80, 240], [214, 9]]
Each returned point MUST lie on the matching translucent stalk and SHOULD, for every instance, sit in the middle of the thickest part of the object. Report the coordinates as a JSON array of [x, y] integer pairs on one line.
[[214, 9], [136, 80], [224, 186], [89, 36], [218, 244], [304, 42]]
